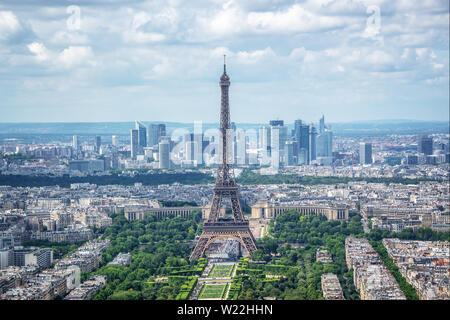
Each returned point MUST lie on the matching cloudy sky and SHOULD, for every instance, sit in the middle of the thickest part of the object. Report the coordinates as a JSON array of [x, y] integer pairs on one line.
[[122, 60]]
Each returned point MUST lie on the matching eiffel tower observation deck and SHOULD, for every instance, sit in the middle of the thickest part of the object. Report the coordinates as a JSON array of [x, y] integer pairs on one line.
[[217, 227]]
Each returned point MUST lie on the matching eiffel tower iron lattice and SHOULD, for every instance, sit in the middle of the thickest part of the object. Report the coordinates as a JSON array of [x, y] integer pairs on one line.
[[226, 188]]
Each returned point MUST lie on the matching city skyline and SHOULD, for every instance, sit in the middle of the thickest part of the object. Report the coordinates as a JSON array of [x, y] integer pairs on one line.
[[352, 61], [313, 164]]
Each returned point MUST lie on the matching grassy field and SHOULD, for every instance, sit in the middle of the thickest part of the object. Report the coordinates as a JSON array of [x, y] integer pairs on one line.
[[213, 291], [221, 270]]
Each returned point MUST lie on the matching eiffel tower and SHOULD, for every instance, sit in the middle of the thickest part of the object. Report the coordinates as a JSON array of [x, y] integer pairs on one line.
[[217, 227]]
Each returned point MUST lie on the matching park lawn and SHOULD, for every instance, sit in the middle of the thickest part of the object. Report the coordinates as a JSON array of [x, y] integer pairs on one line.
[[212, 291], [221, 271]]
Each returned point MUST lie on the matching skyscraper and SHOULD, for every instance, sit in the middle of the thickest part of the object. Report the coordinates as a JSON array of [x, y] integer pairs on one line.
[[198, 139], [241, 147], [291, 153], [162, 129], [75, 143], [142, 136], [275, 146], [425, 144], [194, 147], [264, 145], [324, 140], [115, 141], [322, 124], [190, 150], [302, 137], [164, 154], [324, 143], [264, 138], [278, 138], [365, 153], [114, 160], [312, 144], [97, 144], [153, 135], [134, 143], [155, 132]]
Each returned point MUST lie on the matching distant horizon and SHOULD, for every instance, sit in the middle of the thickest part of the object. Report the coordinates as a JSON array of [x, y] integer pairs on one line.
[[213, 122]]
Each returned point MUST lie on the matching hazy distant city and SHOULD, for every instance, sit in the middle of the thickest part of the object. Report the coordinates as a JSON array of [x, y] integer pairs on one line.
[[260, 191]]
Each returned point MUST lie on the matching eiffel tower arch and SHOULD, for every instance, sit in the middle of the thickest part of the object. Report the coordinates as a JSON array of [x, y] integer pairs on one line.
[[217, 227]]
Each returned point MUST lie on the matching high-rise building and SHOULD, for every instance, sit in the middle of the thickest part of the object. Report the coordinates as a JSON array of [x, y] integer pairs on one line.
[[97, 144], [194, 147], [264, 139], [153, 135], [324, 144], [302, 138], [275, 146], [164, 154], [312, 144], [365, 153], [278, 138], [190, 150], [198, 139], [75, 143], [324, 140], [142, 136], [322, 124], [324, 147], [291, 153], [425, 144], [134, 143], [115, 141], [155, 132], [162, 129], [114, 161], [241, 147]]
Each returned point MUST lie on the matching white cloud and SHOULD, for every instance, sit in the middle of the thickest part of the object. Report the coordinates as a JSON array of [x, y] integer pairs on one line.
[[353, 57], [76, 55], [40, 51], [68, 58], [140, 19], [230, 20], [379, 57], [333, 52], [253, 57], [298, 53], [234, 19], [137, 34], [340, 68], [294, 19], [69, 37], [9, 24], [422, 53], [143, 37]]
